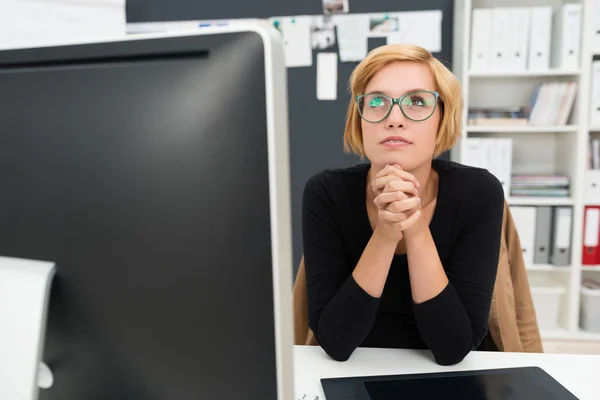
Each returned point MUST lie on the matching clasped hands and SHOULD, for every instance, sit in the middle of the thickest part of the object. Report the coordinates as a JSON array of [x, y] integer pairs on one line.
[[398, 203]]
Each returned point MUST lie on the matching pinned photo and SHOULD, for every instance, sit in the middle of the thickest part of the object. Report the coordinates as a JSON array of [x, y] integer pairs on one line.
[[382, 26], [322, 32], [335, 7]]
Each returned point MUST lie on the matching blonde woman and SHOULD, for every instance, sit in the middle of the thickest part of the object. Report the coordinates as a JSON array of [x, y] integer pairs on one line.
[[402, 251]]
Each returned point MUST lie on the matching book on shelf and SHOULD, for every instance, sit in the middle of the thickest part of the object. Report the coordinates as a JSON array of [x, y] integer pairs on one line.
[[553, 185], [498, 116], [552, 102]]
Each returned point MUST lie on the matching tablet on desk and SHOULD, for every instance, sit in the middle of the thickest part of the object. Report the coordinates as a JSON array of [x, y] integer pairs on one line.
[[523, 383]]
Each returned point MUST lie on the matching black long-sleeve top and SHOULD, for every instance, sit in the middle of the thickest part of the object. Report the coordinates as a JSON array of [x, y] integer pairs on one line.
[[466, 228]]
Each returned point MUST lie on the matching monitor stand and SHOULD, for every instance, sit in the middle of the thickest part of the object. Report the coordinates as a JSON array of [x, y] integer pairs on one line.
[[24, 293]]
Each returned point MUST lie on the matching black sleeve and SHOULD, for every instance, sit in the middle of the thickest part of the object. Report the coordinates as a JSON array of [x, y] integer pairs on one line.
[[455, 322], [340, 312]]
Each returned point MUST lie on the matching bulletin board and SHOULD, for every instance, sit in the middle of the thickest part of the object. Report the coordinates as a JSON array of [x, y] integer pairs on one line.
[[316, 127]]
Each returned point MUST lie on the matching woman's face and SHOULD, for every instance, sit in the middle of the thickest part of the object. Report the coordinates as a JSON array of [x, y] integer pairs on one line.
[[397, 139]]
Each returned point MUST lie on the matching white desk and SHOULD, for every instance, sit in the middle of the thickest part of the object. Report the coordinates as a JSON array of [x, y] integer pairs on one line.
[[580, 374]]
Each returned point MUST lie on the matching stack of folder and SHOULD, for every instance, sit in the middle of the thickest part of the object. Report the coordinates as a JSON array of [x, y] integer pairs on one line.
[[552, 103], [525, 38], [540, 185], [544, 234]]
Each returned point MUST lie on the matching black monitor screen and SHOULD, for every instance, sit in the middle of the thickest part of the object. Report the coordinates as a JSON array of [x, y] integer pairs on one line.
[[141, 169]]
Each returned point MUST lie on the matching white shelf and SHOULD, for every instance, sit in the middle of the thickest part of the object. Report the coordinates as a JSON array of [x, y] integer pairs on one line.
[[594, 128], [539, 201], [523, 74], [589, 336], [560, 334], [595, 268], [563, 334], [521, 129], [549, 268]]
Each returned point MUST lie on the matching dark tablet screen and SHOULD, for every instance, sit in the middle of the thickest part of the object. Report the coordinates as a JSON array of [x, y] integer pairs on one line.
[[500, 384]]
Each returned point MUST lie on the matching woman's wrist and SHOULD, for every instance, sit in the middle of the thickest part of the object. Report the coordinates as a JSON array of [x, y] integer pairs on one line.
[[382, 240], [416, 234]]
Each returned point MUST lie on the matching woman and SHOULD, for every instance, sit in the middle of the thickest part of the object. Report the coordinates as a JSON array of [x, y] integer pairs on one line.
[[402, 252]]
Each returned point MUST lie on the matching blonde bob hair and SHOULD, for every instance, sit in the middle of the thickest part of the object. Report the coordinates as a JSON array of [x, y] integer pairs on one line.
[[451, 103]]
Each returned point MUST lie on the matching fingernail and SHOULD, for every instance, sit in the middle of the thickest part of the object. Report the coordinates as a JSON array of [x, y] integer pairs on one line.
[[419, 199]]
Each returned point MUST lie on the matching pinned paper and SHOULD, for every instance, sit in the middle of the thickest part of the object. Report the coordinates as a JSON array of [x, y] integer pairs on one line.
[[352, 37], [327, 76], [322, 32], [335, 6], [296, 38], [43, 23], [382, 25], [421, 28]]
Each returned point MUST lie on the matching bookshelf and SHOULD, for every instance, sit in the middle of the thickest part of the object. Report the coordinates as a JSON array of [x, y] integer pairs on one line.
[[538, 149], [524, 74], [520, 129]]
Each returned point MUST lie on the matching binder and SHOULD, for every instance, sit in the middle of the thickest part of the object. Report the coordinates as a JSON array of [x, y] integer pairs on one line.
[[525, 222], [543, 235], [561, 246], [500, 40], [493, 154], [518, 43], [591, 229], [499, 154], [592, 186], [596, 27], [481, 32], [595, 95], [474, 152], [539, 39], [567, 36]]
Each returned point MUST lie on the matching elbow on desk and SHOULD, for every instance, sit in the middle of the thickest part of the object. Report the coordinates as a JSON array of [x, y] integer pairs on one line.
[[448, 357], [336, 352], [447, 360]]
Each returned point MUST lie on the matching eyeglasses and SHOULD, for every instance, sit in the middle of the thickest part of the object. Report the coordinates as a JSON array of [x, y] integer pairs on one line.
[[416, 106]]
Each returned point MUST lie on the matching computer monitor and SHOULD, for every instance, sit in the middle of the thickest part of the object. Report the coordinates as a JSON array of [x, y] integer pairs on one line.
[[153, 170]]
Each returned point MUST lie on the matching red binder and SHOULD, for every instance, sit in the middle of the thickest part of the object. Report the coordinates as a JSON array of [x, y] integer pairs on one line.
[[591, 236]]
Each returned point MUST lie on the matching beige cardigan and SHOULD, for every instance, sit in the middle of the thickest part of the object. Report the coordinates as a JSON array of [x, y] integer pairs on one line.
[[512, 323]]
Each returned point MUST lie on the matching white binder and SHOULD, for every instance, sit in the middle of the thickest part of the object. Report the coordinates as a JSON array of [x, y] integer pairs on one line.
[[561, 249], [539, 39], [525, 221], [500, 40], [481, 33], [595, 95], [518, 34], [592, 186], [493, 154], [566, 40], [596, 26], [499, 154]]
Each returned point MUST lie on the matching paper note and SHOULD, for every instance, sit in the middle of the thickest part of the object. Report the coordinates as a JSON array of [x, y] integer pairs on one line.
[[352, 37], [322, 32], [296, 37], [327, 76], [382, 25], [335, 6], [421, 28], [41, 23]]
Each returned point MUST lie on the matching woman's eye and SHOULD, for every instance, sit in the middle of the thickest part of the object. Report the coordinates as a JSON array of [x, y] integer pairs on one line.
[[376, 102], [417, 101]]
